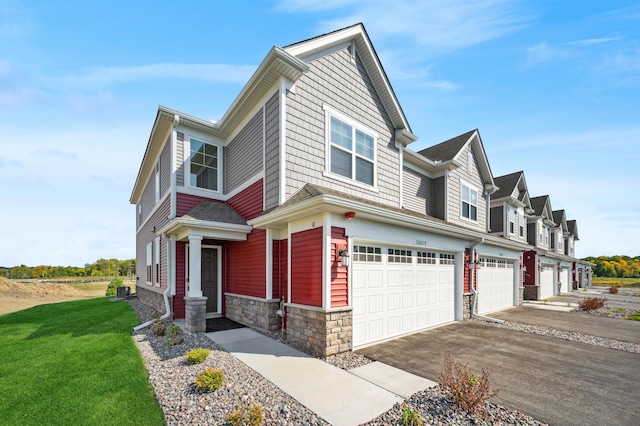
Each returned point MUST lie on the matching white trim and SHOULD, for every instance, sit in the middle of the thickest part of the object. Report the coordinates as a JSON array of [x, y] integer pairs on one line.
[[326, 260], [282, 155], [156, 261], [149, 264], [187, 165], [269, 268], [244, 296], [400, 174], [152, 212], [246, 184], [219, 273], [477, 205], [289, 261], [319, 309], [264, 155]]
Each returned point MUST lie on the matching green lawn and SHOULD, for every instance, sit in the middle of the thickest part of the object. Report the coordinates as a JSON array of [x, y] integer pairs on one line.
[[74, 363]]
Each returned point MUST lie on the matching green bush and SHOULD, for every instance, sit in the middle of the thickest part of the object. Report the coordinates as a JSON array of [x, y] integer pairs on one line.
[[197, 356], [159, 328], [111, 288], [210, 380], [246, 416], [410, 417]]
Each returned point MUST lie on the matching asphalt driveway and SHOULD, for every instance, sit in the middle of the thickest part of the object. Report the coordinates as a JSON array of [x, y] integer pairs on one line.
[[553, 380]]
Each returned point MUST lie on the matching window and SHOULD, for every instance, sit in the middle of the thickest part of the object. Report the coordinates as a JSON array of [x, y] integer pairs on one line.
[[351, 149], [157, 244], [203, 165], [447, 259], [426, 258], [501, 263], [546, 237], [139, 214], [149, 256], [522, 222], [489, 263], [156, 171], [367, 254], [539, 234], [469, 203], [399, 256]]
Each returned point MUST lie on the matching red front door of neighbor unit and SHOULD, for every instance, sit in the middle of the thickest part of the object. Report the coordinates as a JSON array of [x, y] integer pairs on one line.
[[209, 277]]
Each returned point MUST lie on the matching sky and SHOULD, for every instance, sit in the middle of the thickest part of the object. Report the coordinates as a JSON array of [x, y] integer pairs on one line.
[[554, 90]]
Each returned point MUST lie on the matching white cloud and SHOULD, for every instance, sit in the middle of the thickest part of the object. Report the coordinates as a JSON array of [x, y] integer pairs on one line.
[[594, 41], [542, 53]]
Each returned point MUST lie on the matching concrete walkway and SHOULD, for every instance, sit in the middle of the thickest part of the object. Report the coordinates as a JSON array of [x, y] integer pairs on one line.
[[338, 396]]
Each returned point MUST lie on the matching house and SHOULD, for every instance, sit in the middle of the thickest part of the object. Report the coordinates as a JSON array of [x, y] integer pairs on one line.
[[304, 209]]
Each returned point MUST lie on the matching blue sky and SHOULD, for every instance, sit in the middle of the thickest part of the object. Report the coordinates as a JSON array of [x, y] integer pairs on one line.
[[552, 87]]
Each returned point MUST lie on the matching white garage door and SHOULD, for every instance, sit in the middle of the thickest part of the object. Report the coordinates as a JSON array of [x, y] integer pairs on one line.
[[398, 291], [564, 280], [546, 280], [495, 284]]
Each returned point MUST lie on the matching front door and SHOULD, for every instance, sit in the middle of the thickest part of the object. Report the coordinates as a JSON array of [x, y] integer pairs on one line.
[[209, 278]]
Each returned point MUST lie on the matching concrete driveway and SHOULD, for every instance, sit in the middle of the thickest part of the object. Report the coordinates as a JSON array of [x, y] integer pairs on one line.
[[553, 380]]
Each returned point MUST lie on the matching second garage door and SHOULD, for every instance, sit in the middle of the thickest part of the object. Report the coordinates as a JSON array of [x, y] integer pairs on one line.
[[564, 280], [546, 280], [495, 284], [398, 291]]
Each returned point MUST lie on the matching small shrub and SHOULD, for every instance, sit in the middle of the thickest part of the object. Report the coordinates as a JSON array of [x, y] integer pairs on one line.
[[197, 356], [246, 416], [410, 417], [591, 304], [464, 387], [111, 288], [159, 328], [210, 379], [174, 336], [613, 289]]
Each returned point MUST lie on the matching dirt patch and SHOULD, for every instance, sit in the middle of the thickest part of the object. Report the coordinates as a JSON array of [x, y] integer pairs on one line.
[[16, 296]]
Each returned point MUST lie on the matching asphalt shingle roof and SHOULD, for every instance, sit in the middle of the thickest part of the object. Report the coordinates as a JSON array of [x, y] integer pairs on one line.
[[506, 185], [537, 204], [557, 216], [215, 212], [446, 150]]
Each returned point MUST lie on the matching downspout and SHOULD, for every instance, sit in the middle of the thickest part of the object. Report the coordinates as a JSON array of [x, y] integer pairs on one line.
[[472, 283], [163, 317]]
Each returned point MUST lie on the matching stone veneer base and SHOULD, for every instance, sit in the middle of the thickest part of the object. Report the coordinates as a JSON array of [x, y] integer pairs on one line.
[[531, 292], [253, 312], [152, 299], [195, 314], [320, 332]]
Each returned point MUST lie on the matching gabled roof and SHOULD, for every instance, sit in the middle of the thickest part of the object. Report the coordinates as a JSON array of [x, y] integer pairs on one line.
[[542, 207], [215, 212], [572, 227], [450, 151], [312, 48], [506, 185], [560, 219]]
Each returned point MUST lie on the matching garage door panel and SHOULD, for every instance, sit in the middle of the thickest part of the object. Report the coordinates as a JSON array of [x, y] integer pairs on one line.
[[495, 284], [415, 295], [546, 281]]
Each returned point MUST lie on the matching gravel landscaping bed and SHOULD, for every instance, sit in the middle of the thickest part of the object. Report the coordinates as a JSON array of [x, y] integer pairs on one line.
[[561, 334], [172, 379]]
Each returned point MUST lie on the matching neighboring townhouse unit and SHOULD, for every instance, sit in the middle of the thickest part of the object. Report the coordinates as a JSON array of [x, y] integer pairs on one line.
[[510, 206], [304, 209]]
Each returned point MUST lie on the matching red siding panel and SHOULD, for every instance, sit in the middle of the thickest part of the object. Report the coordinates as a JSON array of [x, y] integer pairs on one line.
[[306, 267], [246, 265], [531, 263], [339, 273], [279, 270], [185, 202], [178, 299], [249, 202]]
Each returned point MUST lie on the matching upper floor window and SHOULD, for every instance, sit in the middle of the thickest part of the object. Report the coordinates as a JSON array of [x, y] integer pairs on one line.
[[204, 165], [351, 149], [522, 222], [512, 221], [469, 202]]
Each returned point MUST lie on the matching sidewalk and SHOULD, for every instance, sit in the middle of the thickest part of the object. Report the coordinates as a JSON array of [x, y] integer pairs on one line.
[[340, 397]]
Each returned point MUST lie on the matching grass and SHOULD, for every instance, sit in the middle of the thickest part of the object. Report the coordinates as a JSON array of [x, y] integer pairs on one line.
[[74, 363], [620, 282], [634, 317]]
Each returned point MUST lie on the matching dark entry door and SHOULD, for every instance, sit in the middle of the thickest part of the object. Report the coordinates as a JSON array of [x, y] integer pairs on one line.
[[209, 277]]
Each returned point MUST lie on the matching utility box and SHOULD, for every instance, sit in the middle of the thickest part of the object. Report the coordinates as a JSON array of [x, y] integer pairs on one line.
[[123, 292]]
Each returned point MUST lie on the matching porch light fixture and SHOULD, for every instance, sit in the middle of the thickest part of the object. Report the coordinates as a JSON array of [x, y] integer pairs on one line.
[[345, 256], [349, 216]]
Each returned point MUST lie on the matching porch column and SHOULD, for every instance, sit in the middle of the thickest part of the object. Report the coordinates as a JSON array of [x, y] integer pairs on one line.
[[458, 286], [516, 282], [195, 255]]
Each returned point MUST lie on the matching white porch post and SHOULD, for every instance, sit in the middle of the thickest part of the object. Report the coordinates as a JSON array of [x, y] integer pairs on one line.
[[195, 257], [326, 261], [458, 286], [516, 282]]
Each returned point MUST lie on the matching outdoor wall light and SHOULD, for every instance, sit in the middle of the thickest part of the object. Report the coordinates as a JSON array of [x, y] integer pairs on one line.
[[345, 256]]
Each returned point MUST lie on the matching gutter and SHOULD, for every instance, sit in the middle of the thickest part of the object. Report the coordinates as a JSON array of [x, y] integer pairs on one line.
[[165, 316], [472, 283]]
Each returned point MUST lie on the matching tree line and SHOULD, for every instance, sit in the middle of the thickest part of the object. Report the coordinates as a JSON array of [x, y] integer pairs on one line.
[[615, 266], [99, 268]]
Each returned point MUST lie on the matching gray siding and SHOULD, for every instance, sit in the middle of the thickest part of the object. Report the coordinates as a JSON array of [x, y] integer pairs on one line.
[[148, 199], [336, 81], [417, 192], [243, 155], [439, 201], [165, 167], [180, 162], [272, 154], [455, 197], [497, 219]]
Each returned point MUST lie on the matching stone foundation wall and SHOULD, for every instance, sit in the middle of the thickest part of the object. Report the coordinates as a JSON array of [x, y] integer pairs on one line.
[[150, 298], [520, 295], [195, 314], [531, 292], [256, 313], [320, 332], [467, 301]]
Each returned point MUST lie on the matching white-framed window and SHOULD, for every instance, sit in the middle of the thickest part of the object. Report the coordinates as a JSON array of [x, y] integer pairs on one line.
[[501, 263], [522, 223], [157, 261], [447, 259], [512, 221], [426, 258], [540, 235], [399, 256], [351, 149], [156, 172], [149, 261], [546, 237], [469, 202], [560, 241], [488, 263], [139, 214], [367, 254], [204, 165], [470, 162]]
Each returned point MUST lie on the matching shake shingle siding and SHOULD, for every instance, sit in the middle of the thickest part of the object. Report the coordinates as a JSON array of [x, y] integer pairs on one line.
[[243, 155], [438, 188], [455, 198], [417, 192], [180, 162], [337, 82], [272, 154]]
